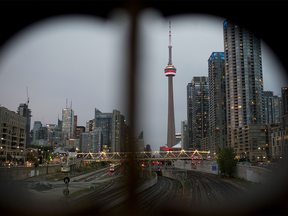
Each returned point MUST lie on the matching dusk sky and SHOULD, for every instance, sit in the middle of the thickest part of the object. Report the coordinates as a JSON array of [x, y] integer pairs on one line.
[[84, 59]]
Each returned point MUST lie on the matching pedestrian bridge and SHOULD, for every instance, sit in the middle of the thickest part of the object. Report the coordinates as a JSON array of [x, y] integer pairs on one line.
[[144, 156]]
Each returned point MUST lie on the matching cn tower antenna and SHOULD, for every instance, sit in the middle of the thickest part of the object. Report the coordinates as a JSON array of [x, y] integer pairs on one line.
[[169, 33], [170, 46]]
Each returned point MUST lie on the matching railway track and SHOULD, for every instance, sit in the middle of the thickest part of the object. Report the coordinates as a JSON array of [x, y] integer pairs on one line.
[[208, 190], [106, 197], [154, 199]]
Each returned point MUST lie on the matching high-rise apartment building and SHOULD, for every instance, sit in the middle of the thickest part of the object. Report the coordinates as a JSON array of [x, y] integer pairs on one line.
[[200, 111], [189, 115], [67, 123], [284, 96], [272, 107], [12, 135], [244, 79], [118, 132], [217, 98], [91, 141]]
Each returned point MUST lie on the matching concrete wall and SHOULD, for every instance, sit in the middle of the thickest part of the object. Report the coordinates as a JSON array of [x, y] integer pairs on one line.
[[249, 173], [19, 173], [252, 173], [204, 166]]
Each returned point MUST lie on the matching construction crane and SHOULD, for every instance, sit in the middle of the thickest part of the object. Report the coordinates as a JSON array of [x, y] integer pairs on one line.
[[27, 95]]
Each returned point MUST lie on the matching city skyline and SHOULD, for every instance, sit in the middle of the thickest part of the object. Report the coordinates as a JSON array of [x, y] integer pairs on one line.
[[50, 66]]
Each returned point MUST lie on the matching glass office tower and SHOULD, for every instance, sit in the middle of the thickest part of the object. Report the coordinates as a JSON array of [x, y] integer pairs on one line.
[[67, 123]]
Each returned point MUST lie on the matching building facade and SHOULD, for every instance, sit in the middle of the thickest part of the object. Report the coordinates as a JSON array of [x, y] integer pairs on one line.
[[284, 96], [12, 135], [272, 107], [104, 121], [252, 141], [184, 137], [200, 111], [244, 79], [75, 126], [23, 110], [67, 123], [91, 141], [189, 115], [79, 130], [217, 102], [118, 132]]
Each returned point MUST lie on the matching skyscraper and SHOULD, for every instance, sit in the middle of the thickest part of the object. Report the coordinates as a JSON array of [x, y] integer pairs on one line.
[[244, 82], [104, 121], [272, 107], [284, 95], [118, 134], [75, 126], [217, 104], [67, 123], [189, 115], [200, 111], [23, 110], [170, 72]]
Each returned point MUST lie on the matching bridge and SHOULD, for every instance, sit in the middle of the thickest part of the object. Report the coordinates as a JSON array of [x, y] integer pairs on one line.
[[144, 156]]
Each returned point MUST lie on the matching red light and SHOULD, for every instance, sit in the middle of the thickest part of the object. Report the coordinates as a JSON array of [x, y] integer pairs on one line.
[[199, 162], [167, 148], [170, 71]]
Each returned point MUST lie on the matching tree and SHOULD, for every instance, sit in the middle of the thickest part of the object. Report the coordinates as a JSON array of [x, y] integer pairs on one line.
[[227, 160]]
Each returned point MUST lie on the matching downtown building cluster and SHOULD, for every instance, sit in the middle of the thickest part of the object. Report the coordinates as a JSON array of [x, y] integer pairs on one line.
[[230, 108], [106, 132]]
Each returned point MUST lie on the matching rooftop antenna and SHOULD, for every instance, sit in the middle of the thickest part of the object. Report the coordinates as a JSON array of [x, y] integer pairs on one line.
[[170, 46], [66, 103], [71, 104]]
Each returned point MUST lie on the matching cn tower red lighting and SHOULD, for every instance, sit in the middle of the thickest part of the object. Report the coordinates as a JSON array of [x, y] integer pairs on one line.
[[167, 148]]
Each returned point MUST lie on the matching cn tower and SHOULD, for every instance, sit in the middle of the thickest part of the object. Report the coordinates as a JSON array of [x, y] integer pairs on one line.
[[170, 72]]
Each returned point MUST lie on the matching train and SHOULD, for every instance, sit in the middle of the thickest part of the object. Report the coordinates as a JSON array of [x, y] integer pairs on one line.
[[65, 168], [112, 168]]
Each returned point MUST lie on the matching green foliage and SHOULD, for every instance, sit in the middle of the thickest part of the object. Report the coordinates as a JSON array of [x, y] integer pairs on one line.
[[227, 160]]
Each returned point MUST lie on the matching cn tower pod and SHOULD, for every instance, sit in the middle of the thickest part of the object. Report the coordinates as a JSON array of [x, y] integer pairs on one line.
[[170, 70]]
